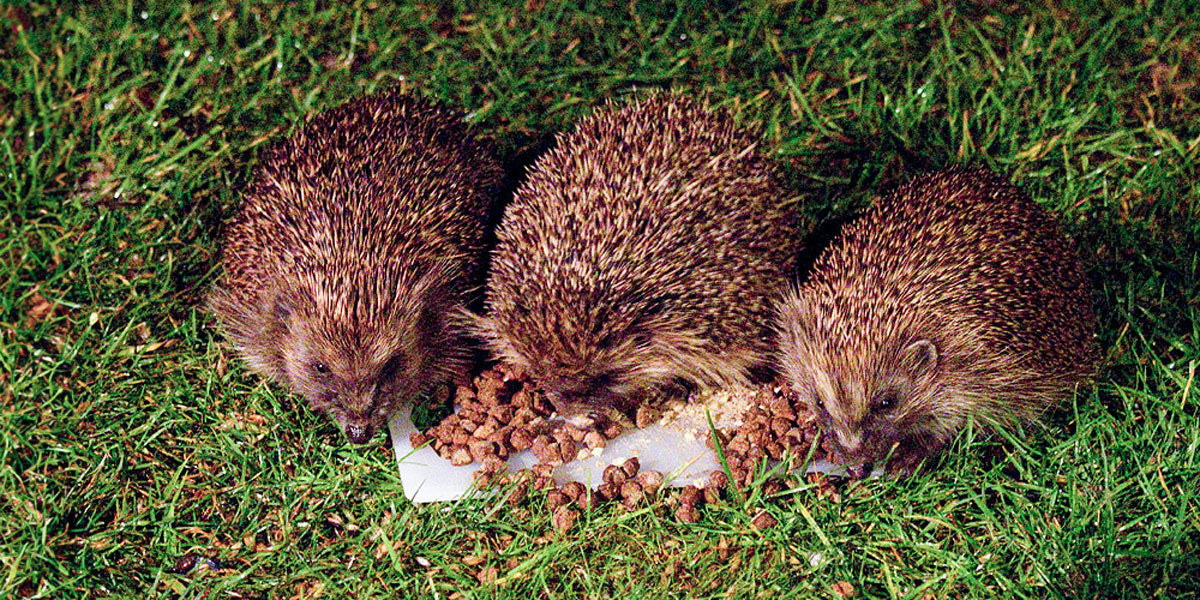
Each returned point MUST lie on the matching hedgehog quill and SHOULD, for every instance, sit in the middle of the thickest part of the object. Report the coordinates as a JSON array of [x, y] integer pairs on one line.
[[954, 298], [346, 267], [642, 254]]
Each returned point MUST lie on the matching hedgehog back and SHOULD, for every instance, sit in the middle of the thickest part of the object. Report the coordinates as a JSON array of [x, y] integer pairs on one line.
[[385, 183], [958, 253], [659, 211]]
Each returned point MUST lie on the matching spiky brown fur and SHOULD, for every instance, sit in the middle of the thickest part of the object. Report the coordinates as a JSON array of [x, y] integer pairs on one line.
[[955, 297], [346, 265], [645, 249]]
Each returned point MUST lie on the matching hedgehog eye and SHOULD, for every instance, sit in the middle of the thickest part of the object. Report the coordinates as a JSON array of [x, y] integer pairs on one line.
[[391, 367], [819, 401], [601, 381], [320, 368], [885, 401]]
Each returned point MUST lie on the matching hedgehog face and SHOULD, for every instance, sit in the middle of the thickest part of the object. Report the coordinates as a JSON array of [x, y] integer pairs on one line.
[[586, 369], [873, 413], [578, 383], [358, 375]]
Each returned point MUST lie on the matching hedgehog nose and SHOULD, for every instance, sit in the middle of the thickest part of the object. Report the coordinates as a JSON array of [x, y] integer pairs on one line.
[[859, 471], [359, 434]]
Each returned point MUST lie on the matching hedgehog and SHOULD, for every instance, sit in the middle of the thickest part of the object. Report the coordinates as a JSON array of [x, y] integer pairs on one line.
[[347, 268], [640, 256], [955, 298]]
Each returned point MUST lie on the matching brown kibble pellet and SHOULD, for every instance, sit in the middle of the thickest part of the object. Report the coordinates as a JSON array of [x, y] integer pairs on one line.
[[742, 477], [573, 489], [463, 394], [482, 479], [712, 495], [772, 487], [502, 413], [546, 450], [780, 426], [763, 520], [594, 439], [781, 408], [417, 439], [555, 499], [585, 500], [481, 449], [691, 495], [717, 479], [460, 456], [517, 493], [687, 513], [567, 449], [612, 430], [520, 439], [608, 491], [614, 475], [542, 470], [522, 399], [632, 492], [631, 467], [564, 518], [646, 416], [650, 481], [487, 574], [843, 589], [485, 431]]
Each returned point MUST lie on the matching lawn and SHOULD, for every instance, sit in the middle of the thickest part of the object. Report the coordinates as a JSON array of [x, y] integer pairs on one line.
[[140, 458]]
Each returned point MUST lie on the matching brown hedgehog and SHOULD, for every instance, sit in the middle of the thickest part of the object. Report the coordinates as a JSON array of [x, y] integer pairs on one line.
[[348, 262], [645, 250], [954, 298]]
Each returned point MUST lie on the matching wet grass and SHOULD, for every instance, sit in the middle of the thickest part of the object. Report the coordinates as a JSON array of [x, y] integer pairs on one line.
[[139, 458]]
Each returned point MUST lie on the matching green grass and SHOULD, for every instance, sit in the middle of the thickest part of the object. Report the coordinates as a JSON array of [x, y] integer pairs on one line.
[[132, 438]]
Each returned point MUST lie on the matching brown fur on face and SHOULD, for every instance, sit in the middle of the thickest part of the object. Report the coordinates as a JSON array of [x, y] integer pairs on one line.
[[347, 266], [955, 298], [644, 250]]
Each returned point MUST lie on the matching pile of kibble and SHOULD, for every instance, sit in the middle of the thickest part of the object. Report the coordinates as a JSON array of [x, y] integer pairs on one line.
[[502, 412], [777, 426]]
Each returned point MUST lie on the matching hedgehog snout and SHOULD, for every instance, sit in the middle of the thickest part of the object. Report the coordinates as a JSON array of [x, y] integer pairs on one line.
[[860, 470], [359, 433]]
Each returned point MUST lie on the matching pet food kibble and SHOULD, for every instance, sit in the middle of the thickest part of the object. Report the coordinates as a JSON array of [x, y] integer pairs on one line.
[[631, 466], [564, 518], [594, 439], [691, 495], [520, 439], [631, 492], [687, 513], [460, 456], [555, 499], [573, 489], [650, 481], [763, 520], [646, 416], [614, 475], [608, 491]]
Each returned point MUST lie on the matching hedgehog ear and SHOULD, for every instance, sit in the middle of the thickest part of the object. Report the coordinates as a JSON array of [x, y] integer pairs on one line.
[[919, 358], [282, 309], [285, 305]]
